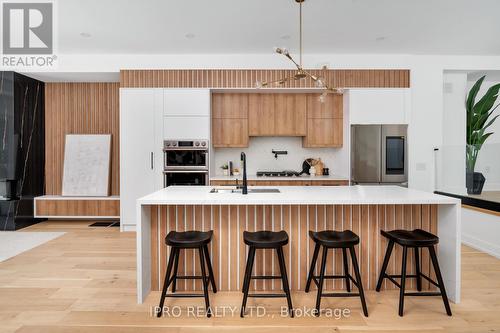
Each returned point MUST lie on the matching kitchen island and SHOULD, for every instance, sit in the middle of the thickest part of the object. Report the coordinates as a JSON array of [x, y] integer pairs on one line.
[[296, 209]]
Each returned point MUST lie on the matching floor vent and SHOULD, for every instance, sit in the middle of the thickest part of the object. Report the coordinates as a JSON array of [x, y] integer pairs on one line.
[[105, 224]]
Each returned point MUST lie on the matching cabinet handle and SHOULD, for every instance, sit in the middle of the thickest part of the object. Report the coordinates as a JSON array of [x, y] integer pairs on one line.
[[152, 160]]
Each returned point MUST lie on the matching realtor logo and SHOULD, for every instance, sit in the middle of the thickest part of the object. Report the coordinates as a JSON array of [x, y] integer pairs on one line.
[[27, 28]]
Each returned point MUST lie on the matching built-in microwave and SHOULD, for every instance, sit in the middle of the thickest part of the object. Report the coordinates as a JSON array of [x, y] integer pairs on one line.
[[185, 154]]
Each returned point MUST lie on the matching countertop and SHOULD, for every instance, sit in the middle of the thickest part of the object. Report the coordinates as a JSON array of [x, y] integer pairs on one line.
[[314, 195], [266, 178]]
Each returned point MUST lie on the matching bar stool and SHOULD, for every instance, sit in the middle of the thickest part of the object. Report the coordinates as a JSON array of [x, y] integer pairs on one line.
[[344, 240], [265, 240], [188, 240], [415, 239]]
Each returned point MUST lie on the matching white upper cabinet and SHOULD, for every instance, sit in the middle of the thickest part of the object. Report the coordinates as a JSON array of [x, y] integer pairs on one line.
[[379, 106], [186, 102], [186, 114], [186, 128]]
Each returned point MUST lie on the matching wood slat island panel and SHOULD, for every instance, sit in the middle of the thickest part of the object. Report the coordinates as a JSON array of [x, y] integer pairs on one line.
[[228, 251]]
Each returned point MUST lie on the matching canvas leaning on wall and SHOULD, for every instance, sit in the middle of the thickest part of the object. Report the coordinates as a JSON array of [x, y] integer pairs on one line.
[[86, 165]]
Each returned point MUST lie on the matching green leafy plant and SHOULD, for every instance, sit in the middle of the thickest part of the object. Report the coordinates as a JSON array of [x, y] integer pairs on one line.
[[479, 118]]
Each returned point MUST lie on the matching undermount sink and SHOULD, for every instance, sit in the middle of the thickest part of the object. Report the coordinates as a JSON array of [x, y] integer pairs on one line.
[[224, 190], [264, 190], [238, 190]]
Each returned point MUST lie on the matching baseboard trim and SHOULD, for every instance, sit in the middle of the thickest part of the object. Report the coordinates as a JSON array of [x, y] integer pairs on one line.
[[127, 227], [481, 245]]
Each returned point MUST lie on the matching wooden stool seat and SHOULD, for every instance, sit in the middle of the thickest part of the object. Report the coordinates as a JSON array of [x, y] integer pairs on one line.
[[335, 239], [265, 239], [417, 237], [188, 239]]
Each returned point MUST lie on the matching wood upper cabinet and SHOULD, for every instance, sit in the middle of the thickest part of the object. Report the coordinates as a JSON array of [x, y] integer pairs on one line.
[[229, 132], [229, 120], [323, 132], [324, 122], [261, 115], [230, 105], [290, 115], [277, 115], [237, 116], [332, 107]]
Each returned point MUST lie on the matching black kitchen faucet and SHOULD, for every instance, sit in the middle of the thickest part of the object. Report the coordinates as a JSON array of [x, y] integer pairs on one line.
[[244, 188]]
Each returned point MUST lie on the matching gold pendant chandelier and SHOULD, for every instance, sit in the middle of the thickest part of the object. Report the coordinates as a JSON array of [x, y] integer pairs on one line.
[[319, 81]]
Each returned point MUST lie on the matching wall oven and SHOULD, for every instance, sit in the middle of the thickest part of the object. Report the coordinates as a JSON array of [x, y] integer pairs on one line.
[[185, 177], [185, 162]]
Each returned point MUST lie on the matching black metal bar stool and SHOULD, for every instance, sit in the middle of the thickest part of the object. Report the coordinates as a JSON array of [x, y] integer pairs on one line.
[[344, 240], [188, 240], [265, 240], [415, 239]]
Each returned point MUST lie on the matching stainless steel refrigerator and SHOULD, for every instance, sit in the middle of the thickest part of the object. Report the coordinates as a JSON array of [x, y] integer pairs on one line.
[[379, 154]]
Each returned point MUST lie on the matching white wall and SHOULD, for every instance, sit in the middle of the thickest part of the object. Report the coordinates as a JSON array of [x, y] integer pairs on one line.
[[480, 231], [450, 174], [259, 156], [488, 161], [379, 106], [425, 130]]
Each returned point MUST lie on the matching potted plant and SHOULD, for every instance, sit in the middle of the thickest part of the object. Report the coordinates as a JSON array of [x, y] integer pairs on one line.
[[479, 118], [225, 169]]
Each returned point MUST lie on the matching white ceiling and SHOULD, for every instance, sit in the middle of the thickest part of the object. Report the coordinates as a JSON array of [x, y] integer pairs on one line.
[[75, 76], [255, 26]]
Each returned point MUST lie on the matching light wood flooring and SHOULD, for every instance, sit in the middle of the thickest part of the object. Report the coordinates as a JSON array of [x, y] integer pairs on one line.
[[84, 281]]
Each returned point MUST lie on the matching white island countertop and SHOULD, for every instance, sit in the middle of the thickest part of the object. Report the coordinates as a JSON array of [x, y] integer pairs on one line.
[[299, 195]]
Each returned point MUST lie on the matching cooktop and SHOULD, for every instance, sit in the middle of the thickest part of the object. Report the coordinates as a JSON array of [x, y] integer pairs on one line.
[[285, 173]]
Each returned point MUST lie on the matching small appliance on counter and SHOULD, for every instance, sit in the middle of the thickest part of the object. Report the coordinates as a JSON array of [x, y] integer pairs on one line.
[[313, 167]]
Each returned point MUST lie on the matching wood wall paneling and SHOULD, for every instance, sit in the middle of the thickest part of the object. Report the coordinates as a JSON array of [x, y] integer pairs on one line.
[[79, 108], [246, 78], [228, 252]]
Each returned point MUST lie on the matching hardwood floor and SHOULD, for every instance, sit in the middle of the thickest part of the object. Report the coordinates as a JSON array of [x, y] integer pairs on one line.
[[84, 281]]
